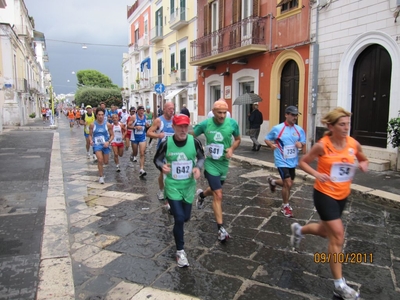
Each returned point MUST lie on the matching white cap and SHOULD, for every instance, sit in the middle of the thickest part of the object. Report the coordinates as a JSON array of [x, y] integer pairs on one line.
[[123, 107]]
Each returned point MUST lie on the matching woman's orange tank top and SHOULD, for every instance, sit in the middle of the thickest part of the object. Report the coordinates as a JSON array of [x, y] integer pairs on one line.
[[340, 165]]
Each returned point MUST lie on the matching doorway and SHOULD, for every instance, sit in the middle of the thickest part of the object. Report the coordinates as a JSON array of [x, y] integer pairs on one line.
[[371, 96], [289, 88]]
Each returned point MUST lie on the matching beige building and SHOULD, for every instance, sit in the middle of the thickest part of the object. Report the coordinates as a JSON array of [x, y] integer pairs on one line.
[[157, 69]]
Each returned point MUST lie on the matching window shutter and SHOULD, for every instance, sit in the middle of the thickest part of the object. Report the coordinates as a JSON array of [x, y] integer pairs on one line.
[[236, 10], [221, 14], [283, 2], [206, 19], [256, 8]]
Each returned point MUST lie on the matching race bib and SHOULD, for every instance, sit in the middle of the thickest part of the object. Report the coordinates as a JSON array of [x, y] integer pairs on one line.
[[118, 139], [181, 169], [98, 140], [215, 151], [342, 172], [289, 151], [148, 122]]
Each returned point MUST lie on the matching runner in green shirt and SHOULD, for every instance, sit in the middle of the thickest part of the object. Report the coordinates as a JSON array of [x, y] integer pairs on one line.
[[218, 150], [180, 158]]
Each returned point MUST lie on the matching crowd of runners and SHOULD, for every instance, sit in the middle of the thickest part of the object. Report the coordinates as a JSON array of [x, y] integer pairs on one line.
[[181, 157]]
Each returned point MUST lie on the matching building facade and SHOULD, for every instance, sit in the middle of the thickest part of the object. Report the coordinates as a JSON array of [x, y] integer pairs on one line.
[[255, 46], [359, 55], [22, 91]]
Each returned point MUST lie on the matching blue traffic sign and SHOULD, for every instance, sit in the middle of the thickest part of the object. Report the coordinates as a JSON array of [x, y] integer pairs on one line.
[[159, 88]]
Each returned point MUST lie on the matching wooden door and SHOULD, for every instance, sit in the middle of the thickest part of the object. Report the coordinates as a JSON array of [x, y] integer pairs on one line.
[[371, 96], [289, 88]]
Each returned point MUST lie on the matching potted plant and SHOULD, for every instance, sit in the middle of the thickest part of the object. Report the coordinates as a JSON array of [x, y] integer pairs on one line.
[[394, 136], [173, 70]]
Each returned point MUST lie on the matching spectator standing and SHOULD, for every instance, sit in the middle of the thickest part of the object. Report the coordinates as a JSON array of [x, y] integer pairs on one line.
[[255, 119]]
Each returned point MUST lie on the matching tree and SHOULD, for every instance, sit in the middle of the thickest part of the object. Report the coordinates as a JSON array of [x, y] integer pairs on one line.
[[93, 78], [94, 95]]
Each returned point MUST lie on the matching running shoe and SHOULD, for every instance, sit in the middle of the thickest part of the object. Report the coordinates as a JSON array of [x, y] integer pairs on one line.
[[181, 259], [199, 200], [101, 180], [286, 210], [271, 186], [94, 157], [134, 159], [160, 195], [223, 235], [118, 169], [88, 156], [345, 292], [142, 173], [296, 235], [131, 158], [168, 208]]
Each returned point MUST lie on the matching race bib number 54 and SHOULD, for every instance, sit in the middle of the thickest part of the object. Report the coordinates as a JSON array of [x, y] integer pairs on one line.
[[342, 172]]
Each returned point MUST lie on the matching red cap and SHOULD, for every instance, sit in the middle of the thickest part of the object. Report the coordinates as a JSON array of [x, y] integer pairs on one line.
[[181, 119]]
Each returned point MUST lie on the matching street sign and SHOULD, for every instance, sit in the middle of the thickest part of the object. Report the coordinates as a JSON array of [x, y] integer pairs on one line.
[[159, 88]]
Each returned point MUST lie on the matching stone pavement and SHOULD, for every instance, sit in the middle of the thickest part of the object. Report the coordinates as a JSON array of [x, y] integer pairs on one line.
[[114, 241]]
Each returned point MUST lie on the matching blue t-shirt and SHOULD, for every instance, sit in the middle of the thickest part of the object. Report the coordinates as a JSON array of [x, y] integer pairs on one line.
[[285, 137], [166, 127]]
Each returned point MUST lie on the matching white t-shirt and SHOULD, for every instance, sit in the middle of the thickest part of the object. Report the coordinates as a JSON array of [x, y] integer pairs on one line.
[[211, 114]]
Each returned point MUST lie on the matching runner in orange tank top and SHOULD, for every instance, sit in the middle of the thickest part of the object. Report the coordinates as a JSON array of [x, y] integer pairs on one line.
[[336, 153]]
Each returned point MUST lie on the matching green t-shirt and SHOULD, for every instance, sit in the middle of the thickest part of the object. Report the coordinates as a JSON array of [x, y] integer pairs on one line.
[[218, 139], [179, 183]]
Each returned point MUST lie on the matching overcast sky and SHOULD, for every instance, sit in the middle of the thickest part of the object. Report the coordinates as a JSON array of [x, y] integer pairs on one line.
[[82, 22]]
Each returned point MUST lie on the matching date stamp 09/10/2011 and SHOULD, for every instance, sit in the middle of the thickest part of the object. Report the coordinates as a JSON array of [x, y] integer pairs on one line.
[[349, 258]]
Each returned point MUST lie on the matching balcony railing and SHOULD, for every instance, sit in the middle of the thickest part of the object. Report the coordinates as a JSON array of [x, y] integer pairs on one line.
[[179, 76], [178, 18], [156, 34], [143, 42], [245, 37], [133, 48]]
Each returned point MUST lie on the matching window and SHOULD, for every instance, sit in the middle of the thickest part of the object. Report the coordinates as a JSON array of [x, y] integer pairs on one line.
[[287, 5], [183, 64], [159, 22], [172, 61], [159, 70], [136, 35]]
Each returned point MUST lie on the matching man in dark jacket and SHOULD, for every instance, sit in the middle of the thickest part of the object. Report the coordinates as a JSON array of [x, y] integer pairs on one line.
[[255, 119]]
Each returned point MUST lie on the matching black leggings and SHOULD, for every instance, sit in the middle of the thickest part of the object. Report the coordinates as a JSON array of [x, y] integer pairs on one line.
[[328, 208]]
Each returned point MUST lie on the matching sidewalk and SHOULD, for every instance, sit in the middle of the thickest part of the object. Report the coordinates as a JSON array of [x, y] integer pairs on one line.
[[382, 186], [114, 241]]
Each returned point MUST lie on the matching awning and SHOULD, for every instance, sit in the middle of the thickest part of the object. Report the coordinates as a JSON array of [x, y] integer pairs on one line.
[[146, 62], [174, 93]]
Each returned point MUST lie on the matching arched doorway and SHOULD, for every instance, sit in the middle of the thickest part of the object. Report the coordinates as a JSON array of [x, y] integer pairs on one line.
[[289, 88], [371, 96]]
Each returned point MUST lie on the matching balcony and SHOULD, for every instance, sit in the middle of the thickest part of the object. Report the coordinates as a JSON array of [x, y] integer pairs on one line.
[[178, 19], [133, 48], [179, 76], [45, 57], [237, 40], [156, 34], [144, 42]]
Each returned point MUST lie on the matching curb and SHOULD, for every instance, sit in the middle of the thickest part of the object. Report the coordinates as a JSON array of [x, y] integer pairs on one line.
[[356, 190]]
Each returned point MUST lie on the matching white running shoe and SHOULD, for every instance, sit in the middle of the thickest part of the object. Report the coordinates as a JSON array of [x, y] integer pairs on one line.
[[134, 159], [345, 292], [101, 180], [199, 200], [296, 236], [118, 169], [181, 259], [142, 173], [88, 155], [94, 157], [160, 195], [223, 235]]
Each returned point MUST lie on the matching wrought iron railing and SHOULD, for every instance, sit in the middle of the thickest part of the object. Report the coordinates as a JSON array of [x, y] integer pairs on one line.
[[250, 31]]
